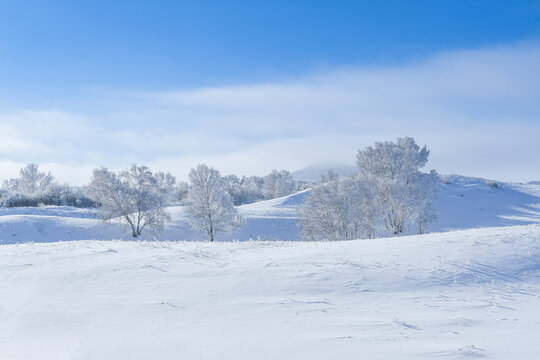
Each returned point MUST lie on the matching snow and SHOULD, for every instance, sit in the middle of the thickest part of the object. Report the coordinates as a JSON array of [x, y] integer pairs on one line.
[[468, 203], [461, 294], [453, 294], [463, 204]]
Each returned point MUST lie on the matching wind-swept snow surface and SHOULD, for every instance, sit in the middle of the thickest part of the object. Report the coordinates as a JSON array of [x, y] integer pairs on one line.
[[470, 202], [455, 295]]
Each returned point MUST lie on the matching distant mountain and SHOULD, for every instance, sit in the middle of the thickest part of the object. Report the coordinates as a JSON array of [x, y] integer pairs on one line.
[[313, 172], [534, 182]]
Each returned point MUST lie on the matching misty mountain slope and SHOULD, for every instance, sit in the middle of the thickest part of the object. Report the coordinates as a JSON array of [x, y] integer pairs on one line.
[[313, 173], [457, 295], [463, 203]]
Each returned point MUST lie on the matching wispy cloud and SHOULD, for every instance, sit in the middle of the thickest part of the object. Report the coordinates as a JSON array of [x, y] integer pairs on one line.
[[477, 110]]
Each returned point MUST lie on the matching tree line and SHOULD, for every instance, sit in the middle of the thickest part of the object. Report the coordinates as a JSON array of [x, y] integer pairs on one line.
[[35, 188], [387, 192], [139, 197]]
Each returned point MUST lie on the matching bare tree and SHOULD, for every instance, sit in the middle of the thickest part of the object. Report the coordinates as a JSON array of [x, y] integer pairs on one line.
[[210, 208], [134, 195]]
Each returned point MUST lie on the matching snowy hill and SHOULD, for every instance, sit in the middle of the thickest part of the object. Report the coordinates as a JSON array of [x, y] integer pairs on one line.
[[456, 295], [468, 202], [464, 203]]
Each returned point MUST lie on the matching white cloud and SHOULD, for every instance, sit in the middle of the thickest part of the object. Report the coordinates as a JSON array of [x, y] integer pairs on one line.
[[476, 110]]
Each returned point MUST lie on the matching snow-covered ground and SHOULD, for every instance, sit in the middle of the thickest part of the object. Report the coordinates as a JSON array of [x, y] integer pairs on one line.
[[467, 203], [464, 203], [456, 295]]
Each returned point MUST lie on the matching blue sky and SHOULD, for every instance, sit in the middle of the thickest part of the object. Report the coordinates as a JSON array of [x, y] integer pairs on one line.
[[156, 44], [212, 81]]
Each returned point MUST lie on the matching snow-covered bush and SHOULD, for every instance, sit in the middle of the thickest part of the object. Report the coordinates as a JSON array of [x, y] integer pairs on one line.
[[210, 208], [135, 196], [64, 194]]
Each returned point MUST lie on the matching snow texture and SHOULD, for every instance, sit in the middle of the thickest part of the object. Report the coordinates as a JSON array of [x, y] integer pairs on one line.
[[456, 295]]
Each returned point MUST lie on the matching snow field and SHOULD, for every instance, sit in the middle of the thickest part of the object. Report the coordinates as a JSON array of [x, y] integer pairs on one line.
[[462, 294]]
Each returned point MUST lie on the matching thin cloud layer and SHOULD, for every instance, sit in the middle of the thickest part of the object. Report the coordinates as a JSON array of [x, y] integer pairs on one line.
[[476, 110]]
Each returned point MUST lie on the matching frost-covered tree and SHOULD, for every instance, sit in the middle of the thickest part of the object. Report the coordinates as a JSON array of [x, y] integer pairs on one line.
[[133, 195], [302, 185], [181, 191], [252, 189], [234, 188], [33, 188], [4, 195], [277, 184], [338, 209], [247, 190], [209, 206], [427, 185], [393, 169], [30, 181], [244, 190], [167, 183]]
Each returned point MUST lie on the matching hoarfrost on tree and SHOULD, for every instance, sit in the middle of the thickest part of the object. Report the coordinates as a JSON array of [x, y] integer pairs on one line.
[[338, 209], [134, 195], [403, 193], [210, 208], [389, 189]]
